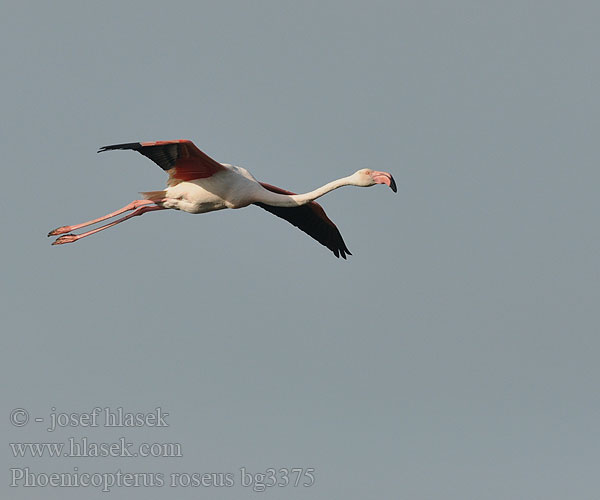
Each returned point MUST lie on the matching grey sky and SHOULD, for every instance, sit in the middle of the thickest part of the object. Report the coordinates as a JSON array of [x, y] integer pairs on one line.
[[454, 355]]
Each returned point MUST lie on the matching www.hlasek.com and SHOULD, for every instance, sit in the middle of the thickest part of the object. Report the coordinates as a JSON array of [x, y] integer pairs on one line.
[[83, 447], [106, 481]]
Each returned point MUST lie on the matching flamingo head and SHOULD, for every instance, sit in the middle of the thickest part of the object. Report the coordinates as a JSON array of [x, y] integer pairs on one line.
[[367, 177]]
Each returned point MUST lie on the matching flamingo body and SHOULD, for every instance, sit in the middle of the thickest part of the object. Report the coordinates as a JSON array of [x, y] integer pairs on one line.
[[231, 187], [199, 184]]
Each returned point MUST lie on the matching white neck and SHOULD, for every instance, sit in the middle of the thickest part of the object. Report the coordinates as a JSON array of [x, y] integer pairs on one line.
[[294, 200]]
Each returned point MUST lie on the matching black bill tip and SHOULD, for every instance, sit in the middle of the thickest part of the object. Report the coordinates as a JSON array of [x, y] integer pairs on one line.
[[393, 184]]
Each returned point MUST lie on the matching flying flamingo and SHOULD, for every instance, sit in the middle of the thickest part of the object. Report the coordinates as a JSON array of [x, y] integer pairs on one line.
[[199, 184]]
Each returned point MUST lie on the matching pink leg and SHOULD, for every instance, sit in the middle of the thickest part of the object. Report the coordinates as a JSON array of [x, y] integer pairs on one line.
[[132, 206], [69, 238]]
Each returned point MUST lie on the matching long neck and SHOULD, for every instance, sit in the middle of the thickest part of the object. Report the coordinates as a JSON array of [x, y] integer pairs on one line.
[[294, 200]]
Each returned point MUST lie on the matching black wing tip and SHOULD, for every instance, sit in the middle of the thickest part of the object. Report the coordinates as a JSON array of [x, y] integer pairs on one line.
[[341, 251], [344, 253], [128, 145], [342, 245]]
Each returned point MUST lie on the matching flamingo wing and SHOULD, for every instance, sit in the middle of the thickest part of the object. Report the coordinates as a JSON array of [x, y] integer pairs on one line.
[[181, 159], [312, 219]]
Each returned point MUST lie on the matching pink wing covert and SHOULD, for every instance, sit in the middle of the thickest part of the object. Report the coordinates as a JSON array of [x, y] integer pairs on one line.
[[181, 159]]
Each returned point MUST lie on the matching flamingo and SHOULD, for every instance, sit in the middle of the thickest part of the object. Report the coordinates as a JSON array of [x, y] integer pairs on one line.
[[199, 184]]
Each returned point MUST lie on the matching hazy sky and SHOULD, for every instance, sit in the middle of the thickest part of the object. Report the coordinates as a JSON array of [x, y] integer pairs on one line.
[[453, 356]]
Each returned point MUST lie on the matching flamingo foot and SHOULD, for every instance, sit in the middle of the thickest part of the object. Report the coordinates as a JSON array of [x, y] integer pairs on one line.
[[67, 238], [59, 230]]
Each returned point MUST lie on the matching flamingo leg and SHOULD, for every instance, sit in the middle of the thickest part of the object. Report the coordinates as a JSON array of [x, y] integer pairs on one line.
[[70, 238], [131, 206]]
